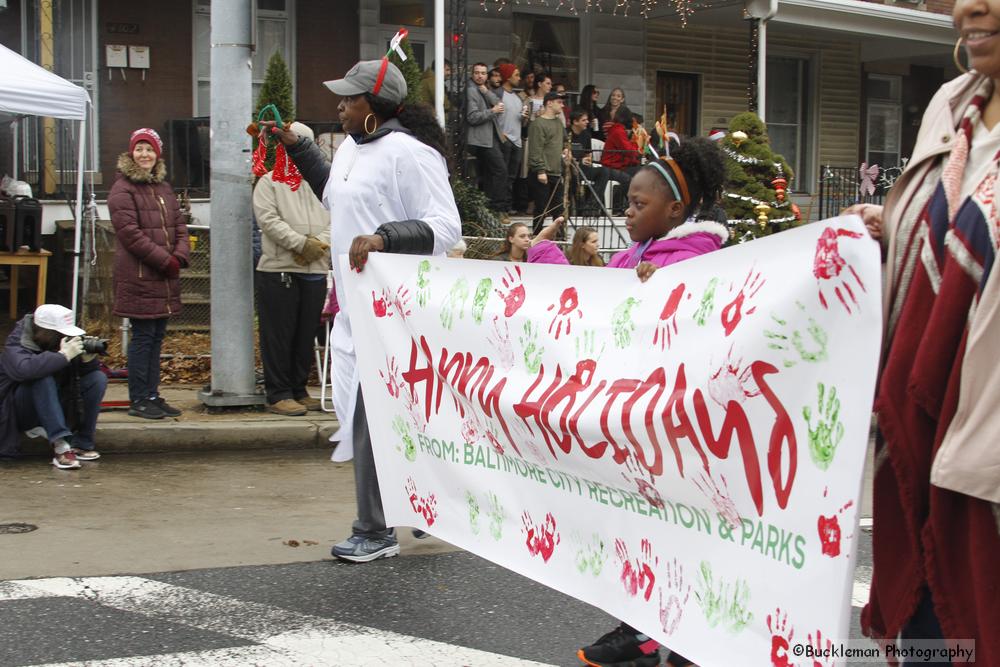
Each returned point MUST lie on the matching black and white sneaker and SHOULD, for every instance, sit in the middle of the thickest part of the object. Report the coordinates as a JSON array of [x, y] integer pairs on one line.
[[146, 409], [622, 647]]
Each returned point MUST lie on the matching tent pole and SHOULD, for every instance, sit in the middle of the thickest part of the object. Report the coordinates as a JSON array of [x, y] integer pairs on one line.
[[13, 136], [78, 214]]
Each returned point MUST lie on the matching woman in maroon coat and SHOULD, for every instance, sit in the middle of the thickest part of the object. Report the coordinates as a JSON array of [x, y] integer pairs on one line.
[[150, 250]]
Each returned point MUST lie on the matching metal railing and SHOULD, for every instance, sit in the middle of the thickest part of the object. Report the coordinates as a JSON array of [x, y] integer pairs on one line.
[[840, 187]]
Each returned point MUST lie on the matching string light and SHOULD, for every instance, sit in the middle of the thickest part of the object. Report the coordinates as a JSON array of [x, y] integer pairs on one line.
[[755, 202], [645, 8]]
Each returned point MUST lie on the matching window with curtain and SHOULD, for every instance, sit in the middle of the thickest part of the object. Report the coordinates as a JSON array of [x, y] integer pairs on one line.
[[884, 120], [789, 115], [550, 44], [274, 34]]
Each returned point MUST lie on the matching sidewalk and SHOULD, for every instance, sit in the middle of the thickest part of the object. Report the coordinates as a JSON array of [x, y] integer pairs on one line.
[[198, 429]]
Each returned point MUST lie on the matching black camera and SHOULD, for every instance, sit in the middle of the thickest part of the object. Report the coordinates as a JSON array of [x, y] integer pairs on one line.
[[94, 345]]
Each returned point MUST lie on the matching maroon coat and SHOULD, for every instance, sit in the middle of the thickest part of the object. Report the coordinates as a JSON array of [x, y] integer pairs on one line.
[[149, 229]]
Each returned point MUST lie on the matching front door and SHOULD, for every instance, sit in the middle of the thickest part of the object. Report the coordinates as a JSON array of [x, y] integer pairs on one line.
[[679, 93]]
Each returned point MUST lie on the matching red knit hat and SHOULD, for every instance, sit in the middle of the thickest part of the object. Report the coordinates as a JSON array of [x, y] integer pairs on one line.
[[506, 71], [149, 136]]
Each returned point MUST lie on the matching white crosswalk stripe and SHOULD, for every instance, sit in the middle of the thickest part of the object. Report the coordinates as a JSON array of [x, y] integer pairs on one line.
[[281, 637]]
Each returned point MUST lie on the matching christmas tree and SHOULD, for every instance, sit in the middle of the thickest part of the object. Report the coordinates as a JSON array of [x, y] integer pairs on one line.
[[411, 72], [276, 90], [757, 182]]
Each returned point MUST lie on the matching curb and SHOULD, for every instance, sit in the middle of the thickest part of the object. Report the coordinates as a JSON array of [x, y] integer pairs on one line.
[[176, 436]]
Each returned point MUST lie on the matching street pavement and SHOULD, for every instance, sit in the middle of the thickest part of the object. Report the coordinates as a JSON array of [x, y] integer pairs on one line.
[[223, 559]]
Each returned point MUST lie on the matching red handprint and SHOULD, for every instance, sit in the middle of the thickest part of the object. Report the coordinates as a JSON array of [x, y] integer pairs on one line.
[[637, 577], [829, 532], [822, 651], [401, 302], [426, 507], [719, 498], [732, 313], [513, 296], [828, 264], [391, 376], [471, 431], [495, 443], [731, 383], [781, 638], [541, 540], [668, 318], [673, 610], [643, 486], [568, 304], [381, 304]]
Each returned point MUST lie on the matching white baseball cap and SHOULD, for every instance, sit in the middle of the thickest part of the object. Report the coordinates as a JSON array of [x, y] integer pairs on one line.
[[58, 318]]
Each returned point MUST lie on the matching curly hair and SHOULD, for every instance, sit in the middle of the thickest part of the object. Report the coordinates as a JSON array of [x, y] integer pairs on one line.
[[704, 169], [417, 118]]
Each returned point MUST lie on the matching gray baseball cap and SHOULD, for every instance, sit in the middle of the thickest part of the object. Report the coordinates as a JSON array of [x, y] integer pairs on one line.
[[362, 77]]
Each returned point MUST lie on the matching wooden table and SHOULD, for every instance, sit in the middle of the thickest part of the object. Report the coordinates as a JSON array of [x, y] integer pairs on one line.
[[15, 260]]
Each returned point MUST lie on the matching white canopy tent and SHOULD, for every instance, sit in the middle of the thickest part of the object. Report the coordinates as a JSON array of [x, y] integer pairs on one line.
[[27, 89]]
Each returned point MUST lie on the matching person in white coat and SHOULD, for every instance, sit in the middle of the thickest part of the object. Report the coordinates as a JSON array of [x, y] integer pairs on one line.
[[387, 190]]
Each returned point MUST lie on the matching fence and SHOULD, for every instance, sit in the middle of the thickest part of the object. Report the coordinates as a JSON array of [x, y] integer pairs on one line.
[[840, 187]]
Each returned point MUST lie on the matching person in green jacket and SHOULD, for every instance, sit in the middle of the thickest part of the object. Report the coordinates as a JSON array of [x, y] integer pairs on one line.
[[546, 148]]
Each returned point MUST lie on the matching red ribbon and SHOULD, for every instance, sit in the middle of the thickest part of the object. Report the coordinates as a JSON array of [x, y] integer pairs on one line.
[[381, 75]]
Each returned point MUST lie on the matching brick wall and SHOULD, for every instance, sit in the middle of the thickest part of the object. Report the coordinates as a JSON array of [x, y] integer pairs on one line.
[[327, 46], [164, 95]]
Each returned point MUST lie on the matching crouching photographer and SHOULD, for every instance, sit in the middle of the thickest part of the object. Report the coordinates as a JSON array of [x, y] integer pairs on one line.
[[50, 379]]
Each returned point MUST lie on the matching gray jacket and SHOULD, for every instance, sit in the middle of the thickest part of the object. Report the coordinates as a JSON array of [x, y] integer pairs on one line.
[[484, 125]]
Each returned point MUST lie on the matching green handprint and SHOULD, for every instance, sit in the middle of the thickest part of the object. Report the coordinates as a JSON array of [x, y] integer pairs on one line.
[[457, 297], [707, 303], [780, 340], [402, 429], [829, 431], [622, 324], [591, 556], [586, 345], [497, 516], [722, 602], [423, 283], [473, 511], [483, 291], [532, 353]]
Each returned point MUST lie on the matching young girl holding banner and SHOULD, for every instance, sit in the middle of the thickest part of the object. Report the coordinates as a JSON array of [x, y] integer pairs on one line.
[[665, 199]]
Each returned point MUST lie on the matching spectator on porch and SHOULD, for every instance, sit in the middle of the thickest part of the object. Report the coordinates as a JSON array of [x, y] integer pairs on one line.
[[615, 103], [620, 154], [512, 123], [588, 102], [580, 137], [485, 139], [545, 160], [494, 80], [151, 247]]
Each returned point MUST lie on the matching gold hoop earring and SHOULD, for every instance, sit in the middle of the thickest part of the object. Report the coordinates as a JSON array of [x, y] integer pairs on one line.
[[371, 117], [954, 56]]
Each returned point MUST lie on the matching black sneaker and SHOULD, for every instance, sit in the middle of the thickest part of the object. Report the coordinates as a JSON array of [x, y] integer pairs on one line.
[[146, 409], [167, 409], [621, 647]]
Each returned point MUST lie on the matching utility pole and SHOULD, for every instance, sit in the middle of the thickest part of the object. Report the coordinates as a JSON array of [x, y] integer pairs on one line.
[[231, 265]]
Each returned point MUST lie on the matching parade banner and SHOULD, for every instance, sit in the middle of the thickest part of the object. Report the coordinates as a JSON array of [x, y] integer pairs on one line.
[[685, 453]]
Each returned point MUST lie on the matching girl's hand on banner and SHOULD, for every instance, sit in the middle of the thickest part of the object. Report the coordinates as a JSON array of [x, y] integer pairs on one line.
[[645, 270], [361, 246]]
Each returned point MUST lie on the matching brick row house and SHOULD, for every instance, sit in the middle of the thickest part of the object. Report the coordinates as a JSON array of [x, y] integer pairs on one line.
[[846, 80]]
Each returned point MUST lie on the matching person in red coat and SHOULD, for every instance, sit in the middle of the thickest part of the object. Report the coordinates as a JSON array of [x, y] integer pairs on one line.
[[620, 152], [151, 247]]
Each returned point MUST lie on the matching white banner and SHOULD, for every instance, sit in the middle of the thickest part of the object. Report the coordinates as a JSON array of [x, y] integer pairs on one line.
[[685, 454]]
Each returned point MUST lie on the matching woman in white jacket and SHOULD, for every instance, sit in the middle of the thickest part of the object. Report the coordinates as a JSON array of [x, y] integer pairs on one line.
[[387, 190]]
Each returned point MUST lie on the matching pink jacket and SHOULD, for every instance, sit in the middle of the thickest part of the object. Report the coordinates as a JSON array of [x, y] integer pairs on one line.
[[682, 242]]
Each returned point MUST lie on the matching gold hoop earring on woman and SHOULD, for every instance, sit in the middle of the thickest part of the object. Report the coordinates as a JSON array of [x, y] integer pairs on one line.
[[374, 120], [954, 55]]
